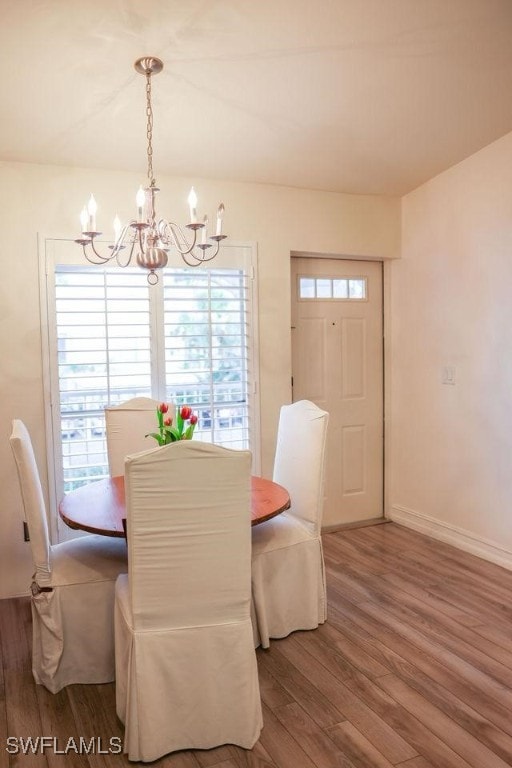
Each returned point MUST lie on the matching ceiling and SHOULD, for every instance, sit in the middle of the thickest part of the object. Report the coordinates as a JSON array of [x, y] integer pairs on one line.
[[359, 96]]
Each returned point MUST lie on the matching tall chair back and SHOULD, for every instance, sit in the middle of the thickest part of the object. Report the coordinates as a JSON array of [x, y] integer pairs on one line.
[[300, 459], [126, 428], [189, 535], [186, 673], [34, 508]]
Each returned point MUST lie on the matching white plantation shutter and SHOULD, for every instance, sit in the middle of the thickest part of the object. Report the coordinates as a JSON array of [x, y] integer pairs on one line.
[[112, 337], [206, 350], [102, 329]]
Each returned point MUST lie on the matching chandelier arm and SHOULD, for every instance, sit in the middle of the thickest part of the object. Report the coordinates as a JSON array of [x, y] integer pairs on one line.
[[195, 263], [118, 247], [204, 258], [168, 230], [178, 236], [126, 262], [101, 259]]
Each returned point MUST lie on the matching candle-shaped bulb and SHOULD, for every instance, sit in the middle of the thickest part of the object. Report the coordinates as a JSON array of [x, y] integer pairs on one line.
[[205, 229], [117, 228], [141, 201], [192, 202], [220, 214], [92, 207], [84, 218]]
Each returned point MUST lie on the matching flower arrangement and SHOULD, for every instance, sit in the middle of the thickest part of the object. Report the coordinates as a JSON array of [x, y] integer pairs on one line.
[[186, 422]]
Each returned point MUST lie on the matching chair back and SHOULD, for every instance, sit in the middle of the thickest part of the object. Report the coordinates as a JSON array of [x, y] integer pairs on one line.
[[34, 508], [300, 459], [189, 535], [126, 428]]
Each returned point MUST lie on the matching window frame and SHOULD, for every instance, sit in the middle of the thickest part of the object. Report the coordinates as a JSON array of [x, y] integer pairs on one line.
[[54, 251]]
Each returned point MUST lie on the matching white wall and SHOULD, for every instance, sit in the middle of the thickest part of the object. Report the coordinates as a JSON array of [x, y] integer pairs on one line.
[[47, 200], [450, 446]]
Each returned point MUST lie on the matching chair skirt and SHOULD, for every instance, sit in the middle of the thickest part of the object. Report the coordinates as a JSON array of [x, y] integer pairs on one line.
[[288, 579], [73, 624], [202, 701]]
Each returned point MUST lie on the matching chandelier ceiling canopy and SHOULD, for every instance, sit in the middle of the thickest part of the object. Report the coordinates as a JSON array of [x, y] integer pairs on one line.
[[146, 237]]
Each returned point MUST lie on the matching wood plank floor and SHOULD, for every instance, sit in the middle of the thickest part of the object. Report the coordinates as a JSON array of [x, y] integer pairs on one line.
[[412, 669]]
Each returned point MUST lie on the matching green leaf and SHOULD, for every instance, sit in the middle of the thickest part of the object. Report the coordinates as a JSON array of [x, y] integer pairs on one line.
[[157, 436], [172, 434]]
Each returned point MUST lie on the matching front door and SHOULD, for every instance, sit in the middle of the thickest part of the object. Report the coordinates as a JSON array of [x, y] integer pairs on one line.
[[337, 362]]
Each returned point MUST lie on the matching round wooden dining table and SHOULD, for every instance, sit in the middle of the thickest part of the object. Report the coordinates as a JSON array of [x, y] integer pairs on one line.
[[100, 507]]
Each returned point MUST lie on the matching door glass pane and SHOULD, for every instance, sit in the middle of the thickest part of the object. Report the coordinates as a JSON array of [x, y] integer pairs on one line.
[[340, 289], [357, 288], [306, 288], [323, 288]]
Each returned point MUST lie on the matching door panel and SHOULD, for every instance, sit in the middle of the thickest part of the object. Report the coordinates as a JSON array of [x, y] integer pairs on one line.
[[337, 363]]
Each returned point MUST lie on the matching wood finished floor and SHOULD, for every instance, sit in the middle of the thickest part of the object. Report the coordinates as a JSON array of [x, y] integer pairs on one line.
[[412, 669]]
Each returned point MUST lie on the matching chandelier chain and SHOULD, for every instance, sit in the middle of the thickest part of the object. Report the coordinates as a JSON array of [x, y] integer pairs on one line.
[[149, 129]]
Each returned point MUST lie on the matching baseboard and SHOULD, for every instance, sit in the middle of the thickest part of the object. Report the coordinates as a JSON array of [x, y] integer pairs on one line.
[[356, 524], [27, 593], [457, 537]]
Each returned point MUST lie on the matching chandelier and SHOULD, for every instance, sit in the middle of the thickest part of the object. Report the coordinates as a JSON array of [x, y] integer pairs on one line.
[[144, 236]]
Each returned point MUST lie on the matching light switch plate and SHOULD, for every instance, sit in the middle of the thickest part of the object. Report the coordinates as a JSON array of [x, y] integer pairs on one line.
[[449, 373]]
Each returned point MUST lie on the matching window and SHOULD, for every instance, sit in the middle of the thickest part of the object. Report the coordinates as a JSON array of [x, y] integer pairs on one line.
[[345, 288], [189, 340]]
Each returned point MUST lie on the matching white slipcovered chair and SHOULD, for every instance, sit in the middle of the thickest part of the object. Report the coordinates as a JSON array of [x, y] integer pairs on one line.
[[126, 427], [186, 672], [288, 575], [72, 589]]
